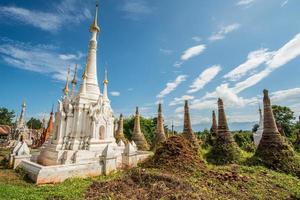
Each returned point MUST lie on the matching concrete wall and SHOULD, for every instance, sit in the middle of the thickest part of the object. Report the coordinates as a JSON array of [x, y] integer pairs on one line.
[[55, 174]]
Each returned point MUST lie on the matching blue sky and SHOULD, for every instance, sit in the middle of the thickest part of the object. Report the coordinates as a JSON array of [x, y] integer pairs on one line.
[[154, 51]]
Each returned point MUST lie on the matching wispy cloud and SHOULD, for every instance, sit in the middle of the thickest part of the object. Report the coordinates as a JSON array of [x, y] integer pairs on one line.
[[37, 58], [135, 9], [197, 39], [254, 60], [171, 86], [192, 52], [224, 31], [42, 20], [115, 93], [77, 56], [180, 100], [245, 2], [64, 13], [284, 3], [166, 51], [204, 78]]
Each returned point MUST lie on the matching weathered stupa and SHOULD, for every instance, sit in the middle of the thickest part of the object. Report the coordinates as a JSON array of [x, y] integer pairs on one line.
[[160, 135], [83, 143], [21, 128], [187, 127], [273, 150], [258, 134], [120, 131], [47, 131], [224, 149], [214, 126], [137, 135]]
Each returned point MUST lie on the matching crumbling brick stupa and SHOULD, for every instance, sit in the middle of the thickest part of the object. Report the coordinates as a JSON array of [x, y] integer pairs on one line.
[[224, 149], [160, 135], [188, 133], [273, 150]]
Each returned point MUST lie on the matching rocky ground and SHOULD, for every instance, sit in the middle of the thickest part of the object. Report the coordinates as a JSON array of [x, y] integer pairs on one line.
[[175, 172]]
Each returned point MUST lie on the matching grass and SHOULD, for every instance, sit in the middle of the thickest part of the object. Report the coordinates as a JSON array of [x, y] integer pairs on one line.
[[214, 182]]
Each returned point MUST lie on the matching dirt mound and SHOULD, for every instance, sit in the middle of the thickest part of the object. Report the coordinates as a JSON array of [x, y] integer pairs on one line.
[[139, 184], [176, 154]]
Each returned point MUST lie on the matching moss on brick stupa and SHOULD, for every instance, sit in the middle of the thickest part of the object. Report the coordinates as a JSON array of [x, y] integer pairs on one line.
[[188, 133], [224, 149], [160, 135], [273, 150]]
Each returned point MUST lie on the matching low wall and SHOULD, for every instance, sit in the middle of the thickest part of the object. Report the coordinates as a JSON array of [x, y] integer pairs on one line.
[[58, 173]]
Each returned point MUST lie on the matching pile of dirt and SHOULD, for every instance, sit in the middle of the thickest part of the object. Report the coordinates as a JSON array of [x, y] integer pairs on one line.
[[176, 154], [139, 184]]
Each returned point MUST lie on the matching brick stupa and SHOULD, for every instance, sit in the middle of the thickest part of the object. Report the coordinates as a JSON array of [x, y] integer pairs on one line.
[[137, 136], [187, 127], [160, 135], [214, 126], [120, 131], [224, 149], [273, 150]]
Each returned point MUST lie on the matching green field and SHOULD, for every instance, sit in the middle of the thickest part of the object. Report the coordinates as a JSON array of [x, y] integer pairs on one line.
[[223, 182]]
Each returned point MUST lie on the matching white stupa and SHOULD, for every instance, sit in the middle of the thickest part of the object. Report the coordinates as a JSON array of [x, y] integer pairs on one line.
[[258, 134], [82, 143]]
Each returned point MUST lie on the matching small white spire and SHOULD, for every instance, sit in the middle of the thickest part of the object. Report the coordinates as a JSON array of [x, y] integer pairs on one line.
[[105, 82]]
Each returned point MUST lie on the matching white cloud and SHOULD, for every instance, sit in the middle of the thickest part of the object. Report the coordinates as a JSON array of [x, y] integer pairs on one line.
[[292, 94], [272, 60], [192, 52], [37, 58], [68, 11], [180, 100], [135, 9], [172, 86], [115, 93], [42, 20], [224, 31], [71, 56], [242, 118], [166, 51], [286, 53], [284, 3], [204, 78], [254, 60], [197, 38], [245, 2]]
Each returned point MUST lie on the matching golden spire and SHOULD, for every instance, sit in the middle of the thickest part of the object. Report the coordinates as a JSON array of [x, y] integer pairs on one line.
[[66, 88], [105, 81], [74, 81], [94, 25]]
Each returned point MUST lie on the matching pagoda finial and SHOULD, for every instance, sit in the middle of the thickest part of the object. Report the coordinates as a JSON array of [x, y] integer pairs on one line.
[[105, 81], [74, 81], [94, 25], [66, 88]]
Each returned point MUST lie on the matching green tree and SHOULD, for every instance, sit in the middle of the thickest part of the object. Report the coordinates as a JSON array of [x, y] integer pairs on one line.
[[285, 116], [147, 126], [255, 127], [34, 123], [6, 116]]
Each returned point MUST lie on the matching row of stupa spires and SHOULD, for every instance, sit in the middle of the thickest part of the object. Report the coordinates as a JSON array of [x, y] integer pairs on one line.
[[82, 89]]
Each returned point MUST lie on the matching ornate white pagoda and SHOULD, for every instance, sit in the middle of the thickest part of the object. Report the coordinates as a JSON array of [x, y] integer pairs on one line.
[[83, 143]]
